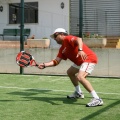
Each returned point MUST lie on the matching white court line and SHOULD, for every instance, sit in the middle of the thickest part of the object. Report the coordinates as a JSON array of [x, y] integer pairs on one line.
[[6, 87], [56, 80]]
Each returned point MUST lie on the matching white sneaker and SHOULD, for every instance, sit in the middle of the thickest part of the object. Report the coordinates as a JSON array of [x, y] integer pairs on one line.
[[95, 102], [76, 95]]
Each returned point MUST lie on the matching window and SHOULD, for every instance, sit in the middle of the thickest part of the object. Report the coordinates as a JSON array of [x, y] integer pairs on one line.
[[30, 12]]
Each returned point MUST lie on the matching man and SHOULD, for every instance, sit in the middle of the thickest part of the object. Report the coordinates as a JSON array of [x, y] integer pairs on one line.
[[84, 60]]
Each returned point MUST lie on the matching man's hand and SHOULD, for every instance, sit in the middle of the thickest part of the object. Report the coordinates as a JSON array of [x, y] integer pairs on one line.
[[82, 54], [41, 66]]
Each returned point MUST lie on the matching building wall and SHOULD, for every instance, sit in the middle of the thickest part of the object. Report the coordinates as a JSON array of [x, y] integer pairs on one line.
[[51, 16]]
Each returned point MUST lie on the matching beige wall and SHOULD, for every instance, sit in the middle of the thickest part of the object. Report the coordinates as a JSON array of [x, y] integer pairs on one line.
[[108, 65]]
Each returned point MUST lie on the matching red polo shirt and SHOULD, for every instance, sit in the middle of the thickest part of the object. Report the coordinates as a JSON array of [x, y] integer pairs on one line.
[[69, 50]]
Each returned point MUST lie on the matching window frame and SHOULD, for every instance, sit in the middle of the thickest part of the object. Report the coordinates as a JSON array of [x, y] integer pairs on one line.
[[30, 13]]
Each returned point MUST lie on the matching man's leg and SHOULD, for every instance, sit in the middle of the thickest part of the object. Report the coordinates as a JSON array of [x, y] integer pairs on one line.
[[71, 72], [72, 75], [81, 77]]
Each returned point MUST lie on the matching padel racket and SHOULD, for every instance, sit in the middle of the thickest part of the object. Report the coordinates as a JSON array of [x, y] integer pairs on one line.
[[25, 59]]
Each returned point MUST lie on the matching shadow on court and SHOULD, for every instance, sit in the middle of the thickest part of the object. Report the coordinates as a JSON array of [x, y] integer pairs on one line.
[[55, 98], [46, 96], [89, 117]]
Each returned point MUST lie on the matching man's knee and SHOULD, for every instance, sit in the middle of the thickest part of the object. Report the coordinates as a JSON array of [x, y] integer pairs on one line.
[[72, 71], [69, 72], [80, 77]]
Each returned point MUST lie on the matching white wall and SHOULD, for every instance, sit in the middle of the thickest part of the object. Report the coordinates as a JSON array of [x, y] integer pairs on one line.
[[51, 16]]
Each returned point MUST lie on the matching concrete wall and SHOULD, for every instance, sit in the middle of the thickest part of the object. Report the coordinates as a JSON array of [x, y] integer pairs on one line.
[[108, 65]]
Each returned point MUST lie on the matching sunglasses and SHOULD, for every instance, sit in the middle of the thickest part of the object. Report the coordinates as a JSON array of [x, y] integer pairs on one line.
[[55, 35]]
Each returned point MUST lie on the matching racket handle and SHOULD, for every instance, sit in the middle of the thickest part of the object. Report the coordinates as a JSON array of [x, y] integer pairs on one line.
[[36, 65]]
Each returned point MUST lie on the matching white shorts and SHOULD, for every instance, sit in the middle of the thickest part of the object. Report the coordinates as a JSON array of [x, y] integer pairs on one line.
[[87, 67]]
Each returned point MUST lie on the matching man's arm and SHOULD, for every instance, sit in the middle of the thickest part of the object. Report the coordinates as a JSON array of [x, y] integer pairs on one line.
[[54, 62], [80, 49], [79, 43]]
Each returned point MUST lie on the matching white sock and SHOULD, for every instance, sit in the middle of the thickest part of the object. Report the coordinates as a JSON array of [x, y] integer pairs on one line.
[[78, 89], [94, 94]]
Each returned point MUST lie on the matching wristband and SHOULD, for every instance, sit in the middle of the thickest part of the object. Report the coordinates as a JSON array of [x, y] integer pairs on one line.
[[55, 62]]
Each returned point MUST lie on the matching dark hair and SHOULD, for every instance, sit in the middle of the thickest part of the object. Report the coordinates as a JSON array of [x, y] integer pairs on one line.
[[63, 33], [60, 33]]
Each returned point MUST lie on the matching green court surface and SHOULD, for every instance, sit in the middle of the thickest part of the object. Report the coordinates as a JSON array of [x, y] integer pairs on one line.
[[39, 97]]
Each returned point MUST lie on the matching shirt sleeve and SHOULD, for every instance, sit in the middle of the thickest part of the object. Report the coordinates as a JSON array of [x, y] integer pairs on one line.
[[60, 55]]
